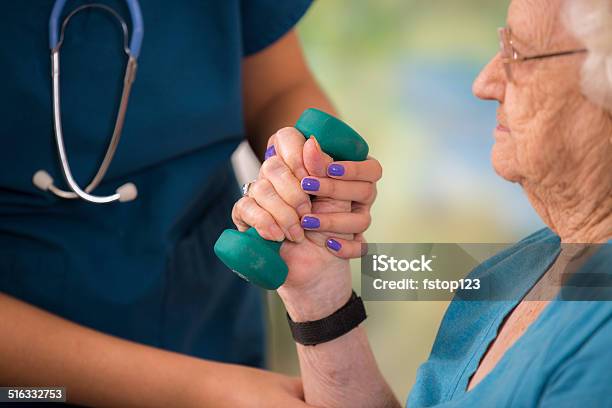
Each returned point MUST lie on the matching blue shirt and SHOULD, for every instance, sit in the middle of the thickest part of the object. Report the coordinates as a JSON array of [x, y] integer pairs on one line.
[[564, 359], [143, 270]]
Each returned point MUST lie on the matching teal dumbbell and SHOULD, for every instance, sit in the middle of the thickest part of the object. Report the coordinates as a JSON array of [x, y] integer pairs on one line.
[[258, 260]]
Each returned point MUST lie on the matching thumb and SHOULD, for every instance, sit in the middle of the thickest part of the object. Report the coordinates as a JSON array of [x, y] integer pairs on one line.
[[315, 160]]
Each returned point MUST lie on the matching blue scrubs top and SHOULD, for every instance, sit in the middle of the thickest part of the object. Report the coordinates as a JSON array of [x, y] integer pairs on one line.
[[143, 270], [564, 359]]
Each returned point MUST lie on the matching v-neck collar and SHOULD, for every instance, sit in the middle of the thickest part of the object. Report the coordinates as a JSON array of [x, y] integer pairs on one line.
[[521, 286]]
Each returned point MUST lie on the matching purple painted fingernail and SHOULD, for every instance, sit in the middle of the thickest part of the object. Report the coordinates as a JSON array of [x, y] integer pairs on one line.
[[311, 222], [270, 152], [310, 184], [333, 244], [335, 170]]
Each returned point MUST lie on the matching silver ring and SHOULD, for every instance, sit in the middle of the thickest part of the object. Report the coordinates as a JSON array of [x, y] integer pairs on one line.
[[245, 188]]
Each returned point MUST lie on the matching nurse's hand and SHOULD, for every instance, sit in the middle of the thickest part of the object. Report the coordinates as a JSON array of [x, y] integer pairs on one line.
[[230, 385]]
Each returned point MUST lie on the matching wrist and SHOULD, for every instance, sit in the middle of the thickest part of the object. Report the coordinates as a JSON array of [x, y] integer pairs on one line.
[[318, 299]]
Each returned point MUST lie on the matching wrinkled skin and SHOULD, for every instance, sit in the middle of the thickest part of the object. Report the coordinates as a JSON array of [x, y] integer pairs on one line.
[[552, 141], [559, 144]]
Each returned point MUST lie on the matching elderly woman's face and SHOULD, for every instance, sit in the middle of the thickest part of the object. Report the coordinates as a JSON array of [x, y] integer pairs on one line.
[[543, 118]]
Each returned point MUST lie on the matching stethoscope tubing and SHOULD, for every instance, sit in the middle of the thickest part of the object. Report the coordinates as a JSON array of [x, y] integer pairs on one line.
[[42, 179]]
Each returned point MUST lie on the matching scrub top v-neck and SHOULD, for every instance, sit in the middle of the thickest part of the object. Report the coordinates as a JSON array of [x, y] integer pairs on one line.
[[143, 270], [563, 359]]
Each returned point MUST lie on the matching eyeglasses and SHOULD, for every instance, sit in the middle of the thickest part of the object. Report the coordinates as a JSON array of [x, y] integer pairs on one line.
[[511, 56]]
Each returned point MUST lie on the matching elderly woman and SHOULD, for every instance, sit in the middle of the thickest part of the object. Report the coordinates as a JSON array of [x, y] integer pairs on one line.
[[552, 80]]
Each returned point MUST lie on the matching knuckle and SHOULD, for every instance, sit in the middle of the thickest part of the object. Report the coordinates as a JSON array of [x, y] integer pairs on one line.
[[287, 132], [284, 172], [266, 222], [250, 210], [288, 218], [374, 193], [266, 232], [297, 198], [271, 166], [271, 139], [353, 250], [379, 170], [344, 252], [255, 189], [356, 170], [262, 188], [327, 223], [331, 187], [241, 205], [235, 213], [294, 160], [369, 194], [361, 238], [235, 220], [366, 221]]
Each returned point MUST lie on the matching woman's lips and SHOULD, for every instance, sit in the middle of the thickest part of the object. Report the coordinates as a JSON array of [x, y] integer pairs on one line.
[[502, 128]]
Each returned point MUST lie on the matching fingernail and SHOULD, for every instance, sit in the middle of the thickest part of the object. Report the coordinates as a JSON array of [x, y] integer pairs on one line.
[[311, 222], [296, 232], [277, 233], [335, 170], [270, 152], [333, 244], [310, 184]]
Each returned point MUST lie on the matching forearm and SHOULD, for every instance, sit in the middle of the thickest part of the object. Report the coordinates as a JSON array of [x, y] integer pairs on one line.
[[342, 372], [284, 110], [40, 349]]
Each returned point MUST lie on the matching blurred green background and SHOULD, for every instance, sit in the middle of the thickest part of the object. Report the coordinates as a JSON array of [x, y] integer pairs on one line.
[[400, 72]]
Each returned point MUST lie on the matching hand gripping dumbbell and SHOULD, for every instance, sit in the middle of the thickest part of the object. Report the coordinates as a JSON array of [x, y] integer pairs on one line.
[[258, 260]]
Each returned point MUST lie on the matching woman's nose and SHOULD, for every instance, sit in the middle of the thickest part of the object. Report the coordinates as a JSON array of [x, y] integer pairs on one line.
[[491, 82]]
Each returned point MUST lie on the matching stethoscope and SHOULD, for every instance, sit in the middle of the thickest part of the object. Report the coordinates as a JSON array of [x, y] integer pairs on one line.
[[42, 179]]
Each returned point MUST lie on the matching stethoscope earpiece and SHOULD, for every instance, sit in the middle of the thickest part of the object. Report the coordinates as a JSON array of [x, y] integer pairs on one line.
[[43, 181], [127, 192]]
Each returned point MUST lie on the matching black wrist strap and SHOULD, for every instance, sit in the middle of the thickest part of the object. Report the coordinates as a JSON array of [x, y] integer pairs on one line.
[[331, 327]]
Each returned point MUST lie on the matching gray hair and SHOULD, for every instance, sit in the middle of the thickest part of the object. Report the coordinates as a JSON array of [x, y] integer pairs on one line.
[[591, 22]]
